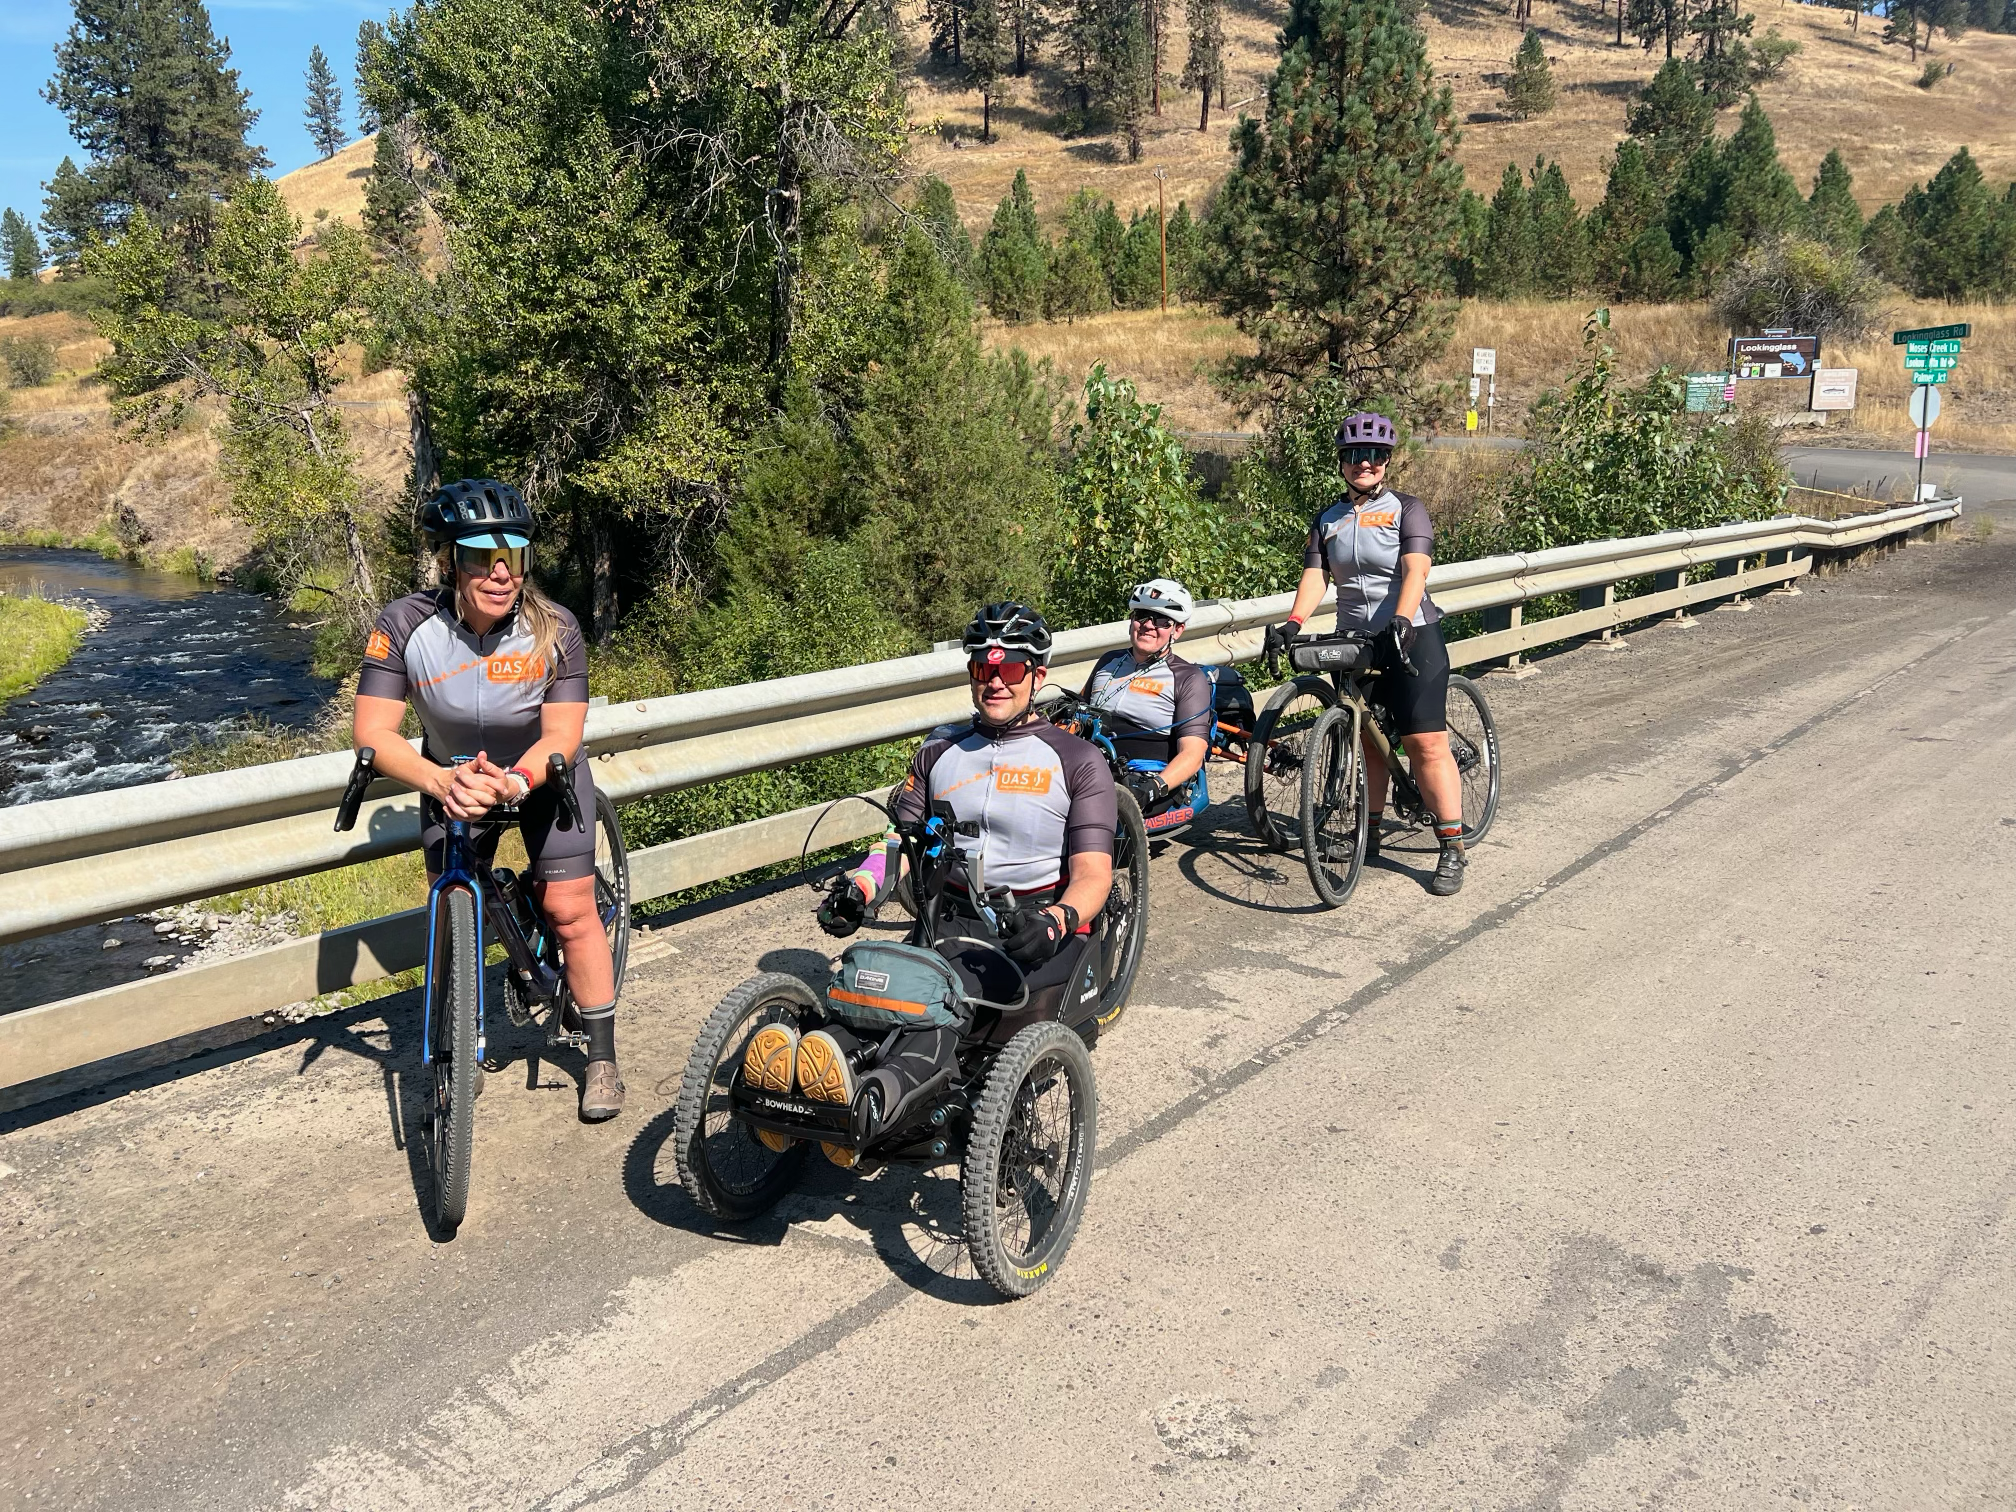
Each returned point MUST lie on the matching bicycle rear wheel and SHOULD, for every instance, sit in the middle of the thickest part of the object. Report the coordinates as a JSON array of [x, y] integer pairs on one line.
[[1274, 759], [1126, 911], [1473, 742], [451, 1107], [1334, 811], [612, 893]]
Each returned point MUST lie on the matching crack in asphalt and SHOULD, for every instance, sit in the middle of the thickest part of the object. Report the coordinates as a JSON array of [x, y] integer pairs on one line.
[[625, 1465]]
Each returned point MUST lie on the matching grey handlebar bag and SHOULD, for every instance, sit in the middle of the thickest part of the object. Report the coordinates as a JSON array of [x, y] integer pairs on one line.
[[879, 984], [1330, 656]]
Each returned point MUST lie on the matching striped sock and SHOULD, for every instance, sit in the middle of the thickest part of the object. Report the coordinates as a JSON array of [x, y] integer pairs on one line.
[[600, 1026], [1450, 834]]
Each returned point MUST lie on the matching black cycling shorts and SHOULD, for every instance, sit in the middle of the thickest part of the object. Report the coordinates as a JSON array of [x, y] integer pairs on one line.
[[1420, 704], [556, 854]]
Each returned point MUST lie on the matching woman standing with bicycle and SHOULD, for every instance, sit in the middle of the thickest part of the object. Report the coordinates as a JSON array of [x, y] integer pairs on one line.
[[499, 676], [1377, 546]]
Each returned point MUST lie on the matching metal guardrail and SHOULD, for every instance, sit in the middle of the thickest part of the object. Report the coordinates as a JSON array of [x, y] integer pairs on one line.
[[72, 861]]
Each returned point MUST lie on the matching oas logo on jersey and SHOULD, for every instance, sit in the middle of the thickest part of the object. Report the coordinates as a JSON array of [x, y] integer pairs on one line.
[[1378, 518], [518, 668], [1150, 687], [379, 647], [1023, 779]]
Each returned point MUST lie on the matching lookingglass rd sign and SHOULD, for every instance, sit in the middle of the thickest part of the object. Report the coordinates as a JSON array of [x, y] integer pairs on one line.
[[1932, 333]]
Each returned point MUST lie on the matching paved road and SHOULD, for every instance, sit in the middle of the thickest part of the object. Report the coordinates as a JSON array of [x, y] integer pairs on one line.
[[1670, 1165]]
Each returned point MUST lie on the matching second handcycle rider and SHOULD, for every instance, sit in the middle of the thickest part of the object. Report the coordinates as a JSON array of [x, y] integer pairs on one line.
[[1160, 703], [499, 674], [1377, 546], [1043, 802]]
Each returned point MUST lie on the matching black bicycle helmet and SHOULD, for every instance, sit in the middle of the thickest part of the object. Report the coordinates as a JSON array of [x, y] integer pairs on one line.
[[1012, 627], [477, 512]]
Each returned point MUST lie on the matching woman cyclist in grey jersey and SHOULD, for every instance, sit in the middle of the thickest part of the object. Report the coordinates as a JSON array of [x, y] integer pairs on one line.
[[499, 675], [1376, 546]]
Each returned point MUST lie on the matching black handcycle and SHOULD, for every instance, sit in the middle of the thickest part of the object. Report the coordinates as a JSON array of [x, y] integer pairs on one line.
[[1305, 768], [469, 897], [1018, 1109]]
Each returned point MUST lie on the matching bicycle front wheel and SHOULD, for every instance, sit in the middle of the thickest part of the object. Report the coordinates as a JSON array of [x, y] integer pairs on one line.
[[1473, 742], [451, 1108], [1334, 812], [1274, 759]]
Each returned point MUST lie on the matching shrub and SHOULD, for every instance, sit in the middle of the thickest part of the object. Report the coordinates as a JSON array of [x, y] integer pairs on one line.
[[30, 361], [1769, 54], [1934, 72], [1801, 283]]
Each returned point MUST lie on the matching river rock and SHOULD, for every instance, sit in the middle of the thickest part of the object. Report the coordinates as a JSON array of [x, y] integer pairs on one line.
[[158, 963], [111, 944]]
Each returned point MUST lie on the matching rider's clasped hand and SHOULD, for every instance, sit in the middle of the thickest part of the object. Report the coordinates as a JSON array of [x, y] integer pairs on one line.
[[472, 789], [1403, 632], [1280, 637], [844, 909], [1033, 936], [1147, 788]]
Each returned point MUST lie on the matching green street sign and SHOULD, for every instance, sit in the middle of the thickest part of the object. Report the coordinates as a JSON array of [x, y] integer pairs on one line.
[[1933, 333], [1932, 365], [1929, 377], [1931, 349], [1946, 348]]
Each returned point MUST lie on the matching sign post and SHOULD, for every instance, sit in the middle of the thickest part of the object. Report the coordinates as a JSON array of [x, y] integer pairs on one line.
[[1930, 354], [1484, 364], [1924, 410]]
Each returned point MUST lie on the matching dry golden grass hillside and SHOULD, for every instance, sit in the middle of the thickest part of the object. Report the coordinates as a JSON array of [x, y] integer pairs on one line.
[[335, 184]]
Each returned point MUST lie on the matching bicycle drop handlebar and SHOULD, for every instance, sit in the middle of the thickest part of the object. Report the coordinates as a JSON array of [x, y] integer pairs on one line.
[[353, 792], [561, 781]]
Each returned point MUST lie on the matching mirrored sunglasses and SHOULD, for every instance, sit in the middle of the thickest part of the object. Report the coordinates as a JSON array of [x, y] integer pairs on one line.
[[1150, 618], [478, 561], [1011, 673], [1358, 456]]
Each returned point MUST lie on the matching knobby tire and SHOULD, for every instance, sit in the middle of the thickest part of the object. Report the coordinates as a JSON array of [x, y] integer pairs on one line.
[[1023, 1162], [1335, 815], [725, 1168], [452, 1113]]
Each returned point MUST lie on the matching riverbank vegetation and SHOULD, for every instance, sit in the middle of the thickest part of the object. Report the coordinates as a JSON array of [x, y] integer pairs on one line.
[[37, 636]]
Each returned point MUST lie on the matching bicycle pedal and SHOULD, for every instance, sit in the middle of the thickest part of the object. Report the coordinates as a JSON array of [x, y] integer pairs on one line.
[[561, 1039]]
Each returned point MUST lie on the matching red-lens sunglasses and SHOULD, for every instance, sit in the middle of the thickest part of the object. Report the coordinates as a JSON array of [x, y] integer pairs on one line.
[[1011, 673]]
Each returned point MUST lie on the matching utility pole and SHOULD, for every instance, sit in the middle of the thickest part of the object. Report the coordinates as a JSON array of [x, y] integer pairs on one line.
[[1162, 225]]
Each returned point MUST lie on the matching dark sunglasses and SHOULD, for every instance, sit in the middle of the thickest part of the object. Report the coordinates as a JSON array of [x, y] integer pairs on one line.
[[478, 561], [1357, 456], [1011, 673], [1151, 618]]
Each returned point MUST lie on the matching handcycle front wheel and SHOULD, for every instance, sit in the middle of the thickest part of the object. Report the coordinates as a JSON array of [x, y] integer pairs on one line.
[[1473, 743], [726, 1169], [451, 1106], [1028, 1166], [1335, 814], [1125, 917], [1274, 758]]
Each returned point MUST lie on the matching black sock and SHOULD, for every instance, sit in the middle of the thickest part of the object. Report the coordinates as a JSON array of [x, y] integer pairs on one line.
[[1450, 834], [600, 1026]]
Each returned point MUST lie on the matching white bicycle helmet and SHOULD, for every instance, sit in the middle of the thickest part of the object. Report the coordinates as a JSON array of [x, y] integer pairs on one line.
[[1164, 596]]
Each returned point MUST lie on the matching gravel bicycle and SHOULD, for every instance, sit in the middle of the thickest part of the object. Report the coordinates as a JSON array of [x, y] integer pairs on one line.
[[468, 896], [1305, 767]]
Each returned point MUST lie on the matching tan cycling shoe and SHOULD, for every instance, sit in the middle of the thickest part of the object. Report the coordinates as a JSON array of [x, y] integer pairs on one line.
[[601, 1092], [823, 1072], [771, 1060]]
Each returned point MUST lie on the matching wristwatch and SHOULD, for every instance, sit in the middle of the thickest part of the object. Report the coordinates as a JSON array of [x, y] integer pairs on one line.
[[524, 783]]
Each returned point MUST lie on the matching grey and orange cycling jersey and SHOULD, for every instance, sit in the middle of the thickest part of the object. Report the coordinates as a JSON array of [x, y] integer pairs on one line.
[[1154, 706], [1040, 797], [472, 692], [1360, 545]]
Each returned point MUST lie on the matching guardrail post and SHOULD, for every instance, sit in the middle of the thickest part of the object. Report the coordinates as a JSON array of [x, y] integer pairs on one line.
[[1666, 582], [1602, 598], [1790, 587], [1730, 567]]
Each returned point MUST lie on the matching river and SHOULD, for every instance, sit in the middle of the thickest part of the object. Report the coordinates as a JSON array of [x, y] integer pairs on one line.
[[173, 662]]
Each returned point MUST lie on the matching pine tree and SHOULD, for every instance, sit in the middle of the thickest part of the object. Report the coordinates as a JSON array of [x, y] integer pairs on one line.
[[1560, 240], [18, 245], [1656, 21], [938, 212], [1205, 64], [1652, 269], [1137, 272], [1467, 261], [1118, 67], [1332, 234], [1529, 92], [945, 23], [73, 213], [149, 93], [1506, 269], [1186, 254], [1671, 118], [391, 202], [370, 47], [1155, 21], [323, 111], [1831, 210], [1886, 242], [1955, 240], [1029, 25], [1761, 198], [1632, 204], [1723, 66], [988, 56], [1014, 262]]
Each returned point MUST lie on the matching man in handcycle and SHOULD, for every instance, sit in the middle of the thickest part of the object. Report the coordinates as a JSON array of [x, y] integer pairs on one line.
[[1042, 804], [1160, 704]]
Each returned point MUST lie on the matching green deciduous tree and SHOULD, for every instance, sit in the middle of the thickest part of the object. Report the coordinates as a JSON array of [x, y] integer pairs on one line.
[[1331, 238], [149, 93], [19, 246], [1529, 89], [323, 110], [270, 346], [370, 43]]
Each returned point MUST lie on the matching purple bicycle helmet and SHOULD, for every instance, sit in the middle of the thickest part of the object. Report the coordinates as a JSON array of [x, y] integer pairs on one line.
[[1367, 429]]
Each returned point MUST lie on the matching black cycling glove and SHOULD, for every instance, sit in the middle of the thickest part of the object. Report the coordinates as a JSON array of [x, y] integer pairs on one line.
[[1403, 632], [1147, 788], [1033, 936], [1280, 637], [844, 909]]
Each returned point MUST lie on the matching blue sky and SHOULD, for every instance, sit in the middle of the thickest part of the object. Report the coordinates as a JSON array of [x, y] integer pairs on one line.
[[269, 47]]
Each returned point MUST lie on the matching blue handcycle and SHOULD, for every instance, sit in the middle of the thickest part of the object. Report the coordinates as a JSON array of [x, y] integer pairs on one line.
[[469, 894]]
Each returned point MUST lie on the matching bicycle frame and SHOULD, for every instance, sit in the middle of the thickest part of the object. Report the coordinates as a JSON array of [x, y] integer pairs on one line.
[[458, 870]]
